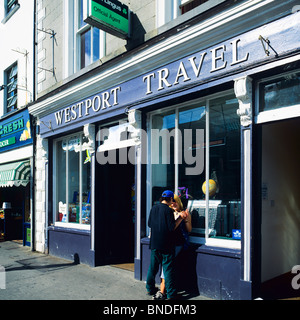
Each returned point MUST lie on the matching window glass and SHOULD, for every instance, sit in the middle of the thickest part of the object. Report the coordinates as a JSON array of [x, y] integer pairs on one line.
[[279, 93], [61, 152], [12, 88], [224, 168], [190, 5], [73, 180], [86, 184], [162, 155], [85, 52], [10, 4], [180, 163], [190, 120], [96, 44], [89, 40]]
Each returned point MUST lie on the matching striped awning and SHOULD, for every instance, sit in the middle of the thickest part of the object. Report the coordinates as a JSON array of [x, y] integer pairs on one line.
[[15, 174]]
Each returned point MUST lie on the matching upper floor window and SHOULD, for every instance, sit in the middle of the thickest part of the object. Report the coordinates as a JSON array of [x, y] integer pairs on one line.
[[168, 10], [88, 40], [10, 7], [11, 88], [187, 5]]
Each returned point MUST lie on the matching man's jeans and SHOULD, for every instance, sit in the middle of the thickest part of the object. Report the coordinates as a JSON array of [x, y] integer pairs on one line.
[[167, 261]]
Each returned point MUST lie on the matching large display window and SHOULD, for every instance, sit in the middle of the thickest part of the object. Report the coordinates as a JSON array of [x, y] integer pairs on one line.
[[193, 145], [72, 182]]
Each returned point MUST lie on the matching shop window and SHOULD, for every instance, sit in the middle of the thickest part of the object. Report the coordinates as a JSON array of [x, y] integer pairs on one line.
[[218, 215], [72, 187], [11, 88]]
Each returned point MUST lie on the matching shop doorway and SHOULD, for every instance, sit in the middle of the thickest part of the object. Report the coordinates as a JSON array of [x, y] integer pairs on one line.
[[15, 217], [280, 208], [115, 214]]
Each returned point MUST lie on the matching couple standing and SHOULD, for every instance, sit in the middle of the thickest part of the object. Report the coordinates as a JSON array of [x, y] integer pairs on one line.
[[169, 228]]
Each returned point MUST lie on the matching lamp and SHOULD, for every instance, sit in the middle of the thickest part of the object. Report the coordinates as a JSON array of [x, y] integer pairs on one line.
[[6, 205]]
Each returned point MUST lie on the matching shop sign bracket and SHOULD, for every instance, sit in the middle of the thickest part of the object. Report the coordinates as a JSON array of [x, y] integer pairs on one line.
[[266, 48]]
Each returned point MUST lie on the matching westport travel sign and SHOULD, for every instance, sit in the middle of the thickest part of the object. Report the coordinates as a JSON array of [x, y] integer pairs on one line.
[[225, 60], [111, 16]]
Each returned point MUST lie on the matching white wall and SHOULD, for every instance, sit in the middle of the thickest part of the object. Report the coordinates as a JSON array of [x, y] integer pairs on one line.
[[281, 202], [17, 34]]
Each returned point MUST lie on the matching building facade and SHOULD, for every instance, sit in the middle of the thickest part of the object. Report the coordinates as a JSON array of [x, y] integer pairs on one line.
[[16, 127], [194, 91]]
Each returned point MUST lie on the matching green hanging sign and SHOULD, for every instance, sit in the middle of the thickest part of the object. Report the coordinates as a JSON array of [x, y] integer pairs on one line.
[[109, 15]]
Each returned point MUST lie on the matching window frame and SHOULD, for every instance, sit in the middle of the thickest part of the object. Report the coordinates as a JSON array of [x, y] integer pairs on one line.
[[78, 31], [70, 225], [9, 13], [276, 113], [217, 242], [7, 81]]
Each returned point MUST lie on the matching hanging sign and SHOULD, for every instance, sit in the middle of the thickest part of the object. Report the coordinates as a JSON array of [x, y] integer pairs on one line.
[[109, 15]]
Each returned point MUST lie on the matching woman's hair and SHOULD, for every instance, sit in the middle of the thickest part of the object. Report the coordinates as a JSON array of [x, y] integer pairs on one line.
[[178, 201]]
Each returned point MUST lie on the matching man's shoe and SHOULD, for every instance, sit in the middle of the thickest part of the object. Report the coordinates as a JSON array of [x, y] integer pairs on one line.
[[159, 296]]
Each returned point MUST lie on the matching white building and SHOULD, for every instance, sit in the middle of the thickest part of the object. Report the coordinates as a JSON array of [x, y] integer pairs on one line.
[[17, 73]]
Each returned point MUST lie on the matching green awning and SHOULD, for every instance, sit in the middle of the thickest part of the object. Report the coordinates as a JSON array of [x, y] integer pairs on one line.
[[15, 174]]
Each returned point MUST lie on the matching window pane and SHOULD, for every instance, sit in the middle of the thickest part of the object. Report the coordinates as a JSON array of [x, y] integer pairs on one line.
[[191, 165], [73, 179], [162, 154], [81, 22], [10, 5], [96, 44], [86, 186], [11, 89], [85, 45], [191, 5], [61, 181], [224, 169], [279, 93]]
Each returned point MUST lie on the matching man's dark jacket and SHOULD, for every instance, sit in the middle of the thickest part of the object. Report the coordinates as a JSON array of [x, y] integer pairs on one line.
[[162, 224]]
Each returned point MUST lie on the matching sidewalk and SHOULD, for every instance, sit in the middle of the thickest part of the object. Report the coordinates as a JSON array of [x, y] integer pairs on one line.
[[35, 276]]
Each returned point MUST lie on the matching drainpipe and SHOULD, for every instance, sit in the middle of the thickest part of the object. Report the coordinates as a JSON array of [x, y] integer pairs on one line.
[[34, 131]]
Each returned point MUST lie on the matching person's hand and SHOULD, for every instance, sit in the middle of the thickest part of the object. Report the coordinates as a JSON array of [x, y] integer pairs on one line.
[[183, 214]]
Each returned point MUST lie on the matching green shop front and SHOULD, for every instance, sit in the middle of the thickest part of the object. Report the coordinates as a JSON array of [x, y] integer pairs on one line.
[[16, 152]]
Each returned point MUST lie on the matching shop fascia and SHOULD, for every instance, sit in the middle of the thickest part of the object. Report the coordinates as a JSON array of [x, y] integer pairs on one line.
[[229, 57], [187, 70]]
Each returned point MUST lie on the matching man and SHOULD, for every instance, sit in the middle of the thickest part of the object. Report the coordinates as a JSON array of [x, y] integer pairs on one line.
[[162, 244]]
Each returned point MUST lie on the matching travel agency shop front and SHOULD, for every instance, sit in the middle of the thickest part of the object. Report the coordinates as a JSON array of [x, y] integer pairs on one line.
[[16, 172], [226, 97]]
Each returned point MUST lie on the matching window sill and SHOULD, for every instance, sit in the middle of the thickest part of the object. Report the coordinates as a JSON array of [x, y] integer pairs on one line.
[[70, 227], [209, 249], [11, 13]]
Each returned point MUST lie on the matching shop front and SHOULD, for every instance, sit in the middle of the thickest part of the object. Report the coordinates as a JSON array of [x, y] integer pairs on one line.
[[15, 177], [184, 125]]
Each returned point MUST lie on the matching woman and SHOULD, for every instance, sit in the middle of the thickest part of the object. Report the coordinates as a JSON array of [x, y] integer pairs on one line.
[[181, 240]]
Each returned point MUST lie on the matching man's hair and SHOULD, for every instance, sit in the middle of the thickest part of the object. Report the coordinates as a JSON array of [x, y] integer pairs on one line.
[[165, 198]]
